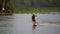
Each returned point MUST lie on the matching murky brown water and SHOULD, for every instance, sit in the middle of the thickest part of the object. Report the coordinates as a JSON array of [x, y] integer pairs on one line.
[[22, 24]]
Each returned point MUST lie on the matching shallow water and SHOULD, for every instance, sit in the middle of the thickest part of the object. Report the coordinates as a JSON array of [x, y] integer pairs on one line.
[[22, 24]]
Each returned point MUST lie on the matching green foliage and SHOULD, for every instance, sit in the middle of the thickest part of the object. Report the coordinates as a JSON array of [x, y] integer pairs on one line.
[[36, 10], [37, 3], [8, 5]]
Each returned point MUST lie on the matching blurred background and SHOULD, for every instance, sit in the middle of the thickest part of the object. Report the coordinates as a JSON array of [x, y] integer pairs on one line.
[[29, 6], [15, 16]]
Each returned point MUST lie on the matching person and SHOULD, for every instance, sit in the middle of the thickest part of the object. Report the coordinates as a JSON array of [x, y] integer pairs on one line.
[[33, 19]]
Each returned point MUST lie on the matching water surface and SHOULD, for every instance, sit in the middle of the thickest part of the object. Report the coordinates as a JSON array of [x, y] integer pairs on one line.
[[22, 24]]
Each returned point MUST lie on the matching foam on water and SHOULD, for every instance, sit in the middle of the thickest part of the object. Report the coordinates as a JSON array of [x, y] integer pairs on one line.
[[47, 24]]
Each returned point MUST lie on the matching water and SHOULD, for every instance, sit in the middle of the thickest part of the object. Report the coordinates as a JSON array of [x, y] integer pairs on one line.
[[22, 24]]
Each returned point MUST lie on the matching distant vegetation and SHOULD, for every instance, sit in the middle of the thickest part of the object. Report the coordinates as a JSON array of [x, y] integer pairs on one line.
[[8, 7], [37, 6], [30, 6], [37, 3], [36, 10]]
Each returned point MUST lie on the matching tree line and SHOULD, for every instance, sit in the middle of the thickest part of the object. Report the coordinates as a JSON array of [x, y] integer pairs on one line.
[[37, 3], [7, 5]]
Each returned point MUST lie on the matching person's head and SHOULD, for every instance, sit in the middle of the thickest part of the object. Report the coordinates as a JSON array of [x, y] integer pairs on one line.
[[33, 13]]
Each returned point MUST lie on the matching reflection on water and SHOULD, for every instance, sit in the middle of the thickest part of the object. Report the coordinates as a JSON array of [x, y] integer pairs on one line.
[[33, 28], [6, 24], [22, 24]]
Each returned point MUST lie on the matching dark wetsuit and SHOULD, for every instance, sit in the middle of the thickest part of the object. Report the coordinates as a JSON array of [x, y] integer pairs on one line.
[[33, 18]]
